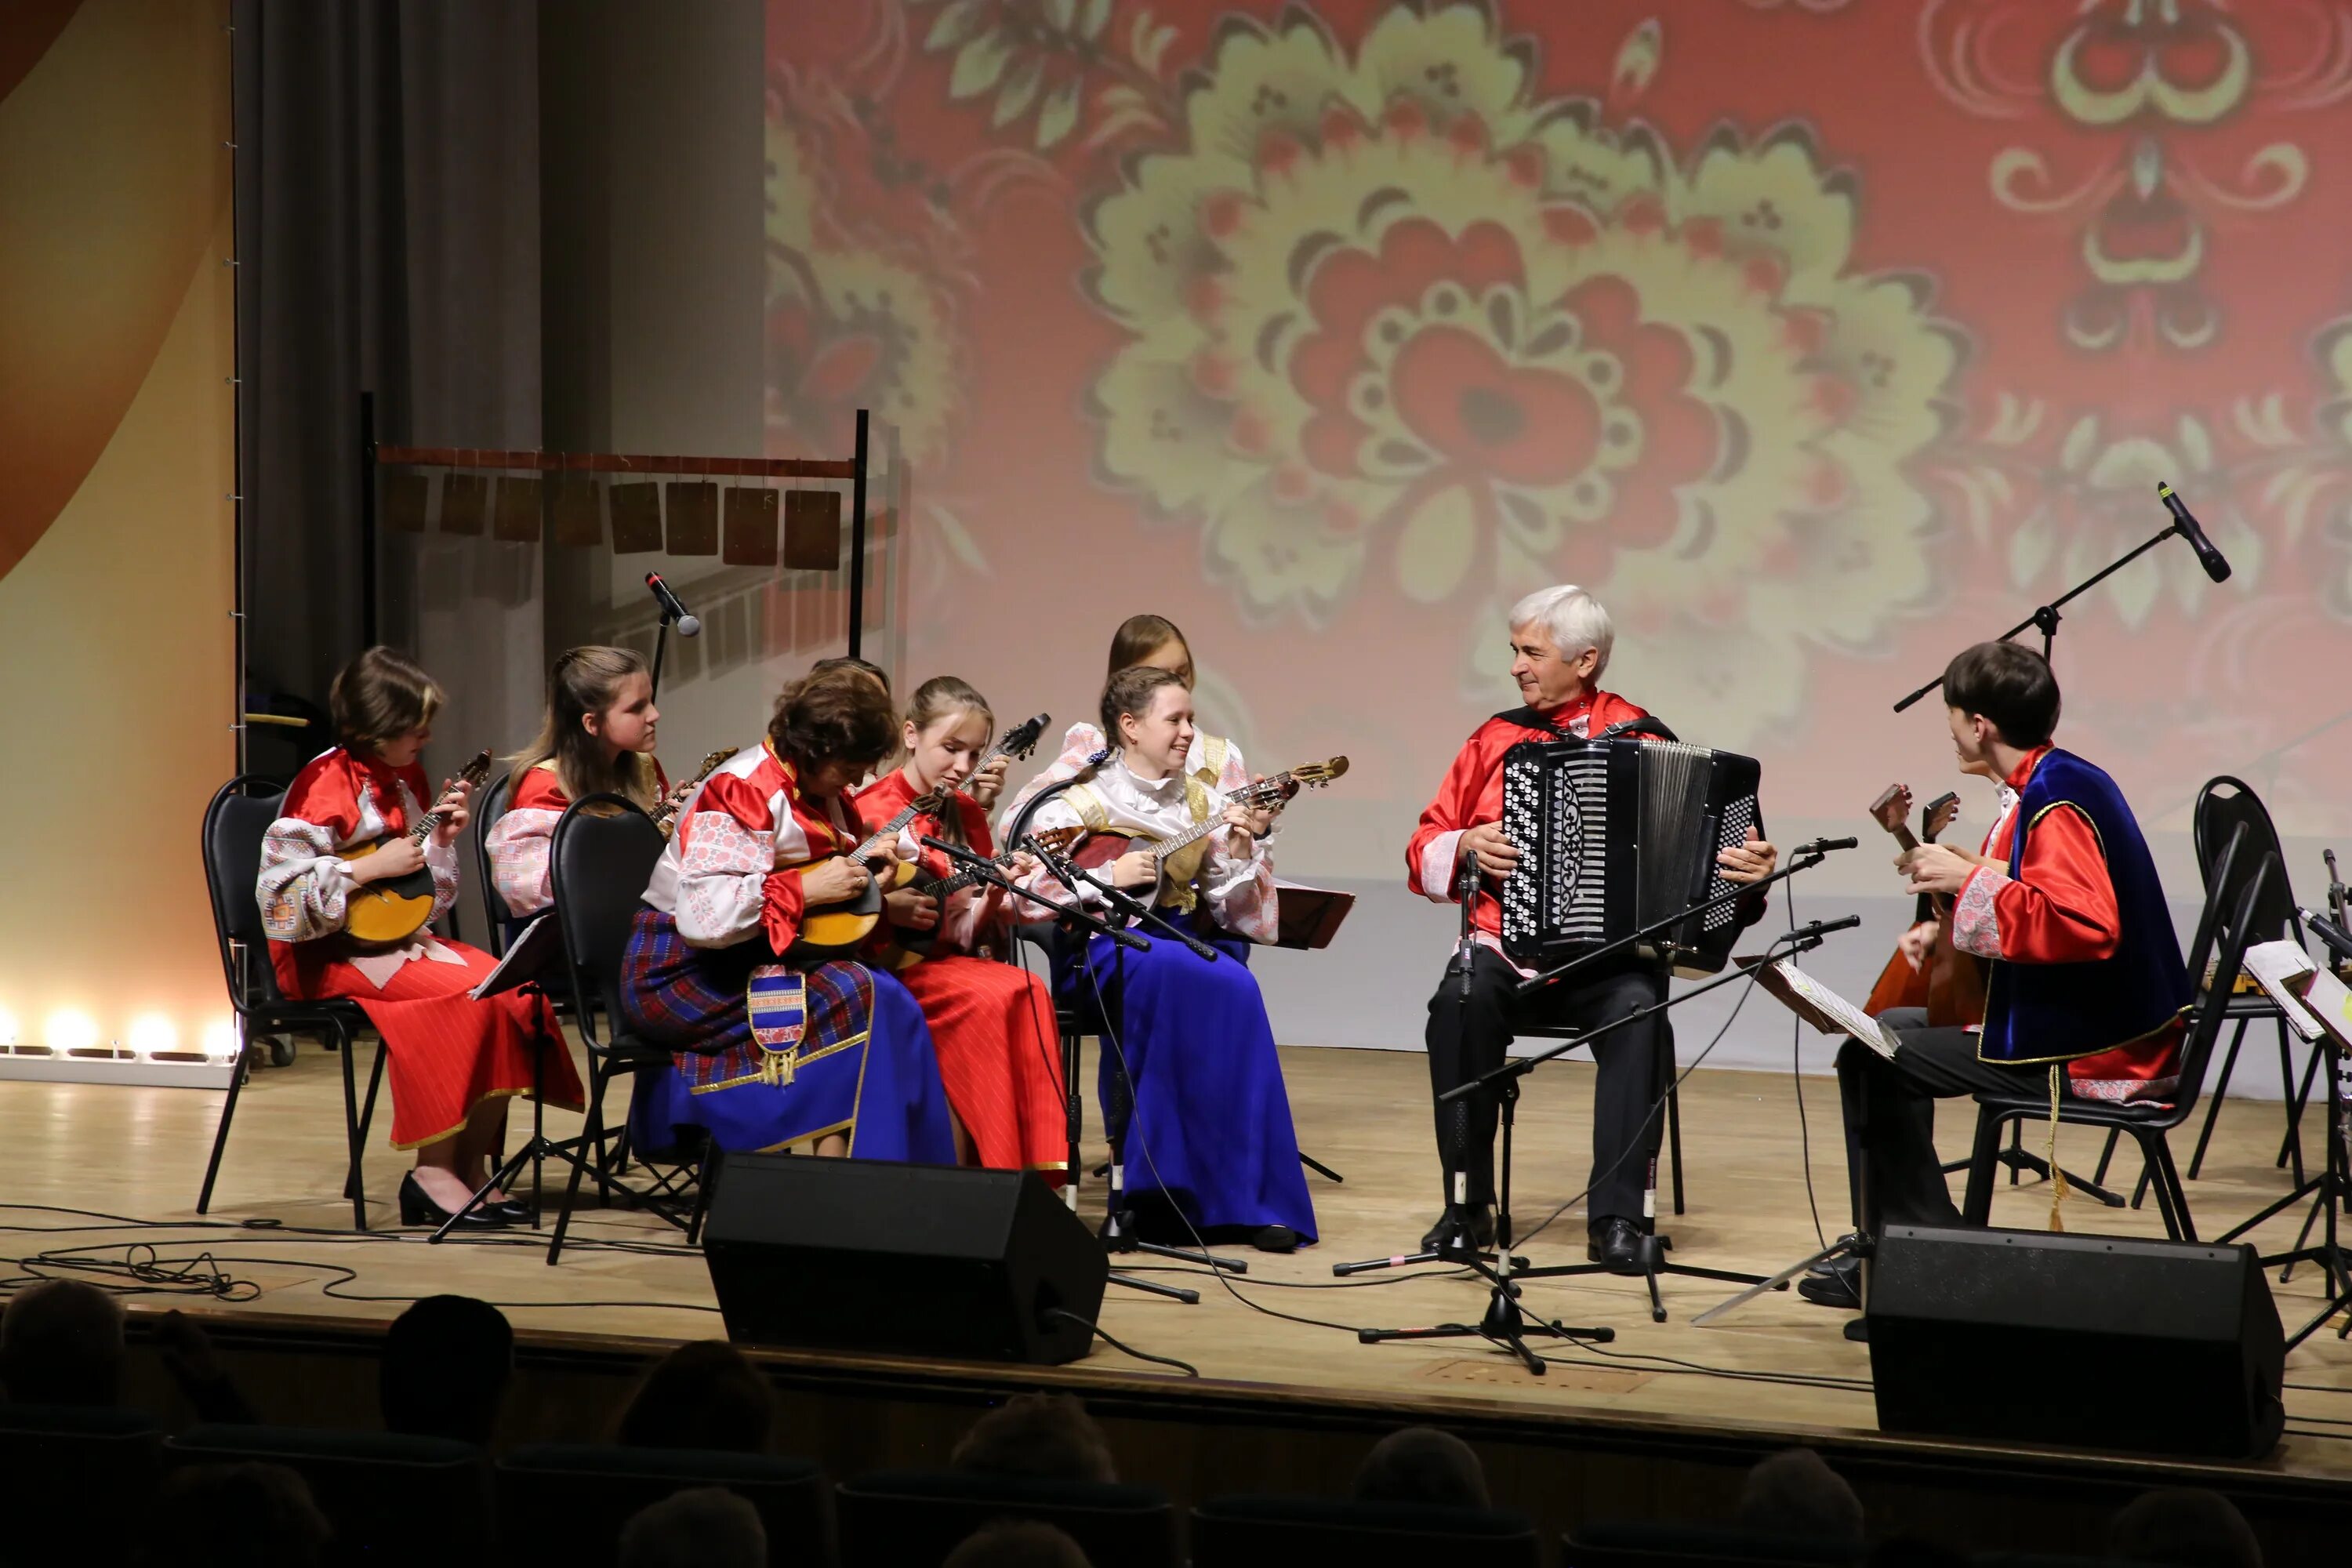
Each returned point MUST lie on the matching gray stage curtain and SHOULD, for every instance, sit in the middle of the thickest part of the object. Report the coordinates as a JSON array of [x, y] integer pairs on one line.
[[387, 240]]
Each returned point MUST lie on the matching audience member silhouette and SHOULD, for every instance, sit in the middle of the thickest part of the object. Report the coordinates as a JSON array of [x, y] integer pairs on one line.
[[62, 1344], [707, 1394], [2184, 1527], [1036, 1437], [235, 1516], [446, 1363], [709, 1527], [1422, 1465], [1017, 1543], [1795, 1493]]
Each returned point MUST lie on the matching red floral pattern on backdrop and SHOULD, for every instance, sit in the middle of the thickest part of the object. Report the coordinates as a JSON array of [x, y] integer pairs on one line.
[[1819, 338]]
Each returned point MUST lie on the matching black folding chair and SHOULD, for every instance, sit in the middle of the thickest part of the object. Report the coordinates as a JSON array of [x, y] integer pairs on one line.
[[567, 1502], [1270, 1532], [234, 824], [390, 1498], [2146, 1123], [1661, 1545], [605, 851], [497, 919], [904, 1518], [2224, 806]]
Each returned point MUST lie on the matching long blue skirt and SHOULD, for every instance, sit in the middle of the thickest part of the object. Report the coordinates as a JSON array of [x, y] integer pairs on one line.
[[864, 1065], [1208, 1123]]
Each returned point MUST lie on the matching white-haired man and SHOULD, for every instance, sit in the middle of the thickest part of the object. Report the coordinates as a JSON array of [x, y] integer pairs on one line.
[[1561, 640]]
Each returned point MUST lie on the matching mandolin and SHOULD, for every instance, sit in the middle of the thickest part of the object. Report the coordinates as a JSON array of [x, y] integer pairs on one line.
[[1951, 985], [387, 913], [1270, 794], [665, 814], [831, 929]]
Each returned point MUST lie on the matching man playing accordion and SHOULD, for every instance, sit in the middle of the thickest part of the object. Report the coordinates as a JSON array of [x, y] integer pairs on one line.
[[1560, 638]]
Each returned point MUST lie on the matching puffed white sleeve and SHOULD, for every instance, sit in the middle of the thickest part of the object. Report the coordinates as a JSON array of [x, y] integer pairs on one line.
[[519, 844], [1237, 878], [304, 885], [723, 868]]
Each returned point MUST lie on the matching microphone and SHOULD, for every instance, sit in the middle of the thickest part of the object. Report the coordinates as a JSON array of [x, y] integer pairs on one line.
[[961, 854], [674, 608], [1824, 845], [2339, 940], [2184, 524], [1810, 934]]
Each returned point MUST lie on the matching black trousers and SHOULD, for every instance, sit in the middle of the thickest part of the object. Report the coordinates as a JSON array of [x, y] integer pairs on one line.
[[1467, 1042], [1890, 1115]]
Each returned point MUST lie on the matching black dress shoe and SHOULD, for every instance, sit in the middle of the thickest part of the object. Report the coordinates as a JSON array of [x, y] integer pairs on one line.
[[1475, 1225], [1275, 1238], [1615, 1243], [417, 1207], [514, 1211], [1837, 1284]]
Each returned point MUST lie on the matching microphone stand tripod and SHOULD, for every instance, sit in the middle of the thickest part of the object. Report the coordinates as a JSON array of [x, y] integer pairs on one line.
[[1455, 1246], [1115, 1234], [1503, 1322], [986, 870]]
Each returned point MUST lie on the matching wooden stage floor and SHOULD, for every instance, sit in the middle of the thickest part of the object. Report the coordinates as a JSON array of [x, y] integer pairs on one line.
[[139, 1153]]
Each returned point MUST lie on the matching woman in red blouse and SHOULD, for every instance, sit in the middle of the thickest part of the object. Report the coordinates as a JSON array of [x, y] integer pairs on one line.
[[453, 1062], [992, 1022]]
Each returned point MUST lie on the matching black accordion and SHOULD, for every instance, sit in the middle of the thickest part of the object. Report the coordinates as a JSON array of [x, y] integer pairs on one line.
[[1616, 835]]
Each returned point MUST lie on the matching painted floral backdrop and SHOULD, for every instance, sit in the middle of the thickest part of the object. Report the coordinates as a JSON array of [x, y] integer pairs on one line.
[[1819, 337]]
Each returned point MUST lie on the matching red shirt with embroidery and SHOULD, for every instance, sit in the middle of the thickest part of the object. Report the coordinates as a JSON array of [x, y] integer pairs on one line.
[[733, 868], [2059, 908], [1473, 794]]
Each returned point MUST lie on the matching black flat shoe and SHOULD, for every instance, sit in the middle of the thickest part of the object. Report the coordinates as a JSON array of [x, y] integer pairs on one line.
[[1614, 1243], [1275, 1238], [513, 1211], [417, 1207]]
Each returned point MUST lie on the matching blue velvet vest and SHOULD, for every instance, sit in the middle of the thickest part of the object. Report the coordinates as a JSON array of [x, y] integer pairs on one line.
[[2057, 1011]]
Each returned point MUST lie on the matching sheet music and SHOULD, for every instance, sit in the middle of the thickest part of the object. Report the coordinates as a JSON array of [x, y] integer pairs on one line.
[[2281, 968], [1822, 1007], [2331, 1003], [535, 951]]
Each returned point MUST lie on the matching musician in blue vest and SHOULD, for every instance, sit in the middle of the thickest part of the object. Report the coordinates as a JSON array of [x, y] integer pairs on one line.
[[1560, 642], [2087, 992]]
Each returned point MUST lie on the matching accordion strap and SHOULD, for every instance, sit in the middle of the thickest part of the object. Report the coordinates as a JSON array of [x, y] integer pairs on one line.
[[1529, 719]]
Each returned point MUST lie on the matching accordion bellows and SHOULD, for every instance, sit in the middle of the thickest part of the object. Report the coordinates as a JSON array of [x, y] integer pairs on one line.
[[1617, 835]]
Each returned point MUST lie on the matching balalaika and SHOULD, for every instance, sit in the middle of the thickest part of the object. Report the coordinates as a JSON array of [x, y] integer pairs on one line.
[[1616, 834]]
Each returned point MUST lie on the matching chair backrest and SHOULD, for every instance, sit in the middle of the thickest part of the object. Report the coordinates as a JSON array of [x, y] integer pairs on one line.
[[603, 855], [64, 1468], [913, 1519], [2235, 931], [2221, 882], [486, 814], [2223, 805], [1280, 1531], [236, 822], [390, 1498], [1648, 1545], [566, 1502]]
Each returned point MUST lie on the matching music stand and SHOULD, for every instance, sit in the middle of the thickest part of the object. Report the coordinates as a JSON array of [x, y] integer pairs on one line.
[[2332, 1184]]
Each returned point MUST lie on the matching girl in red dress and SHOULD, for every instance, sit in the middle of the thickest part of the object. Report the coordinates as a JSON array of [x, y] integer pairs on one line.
[[992, 1022], [453, 1062], [598, 739]]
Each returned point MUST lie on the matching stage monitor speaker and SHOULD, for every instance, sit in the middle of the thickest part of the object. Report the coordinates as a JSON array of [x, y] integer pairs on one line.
[[920, 1259], [2094, 1341]]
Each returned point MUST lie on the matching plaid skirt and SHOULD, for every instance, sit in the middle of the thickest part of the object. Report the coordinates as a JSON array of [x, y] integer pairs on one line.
[[858, 1060]]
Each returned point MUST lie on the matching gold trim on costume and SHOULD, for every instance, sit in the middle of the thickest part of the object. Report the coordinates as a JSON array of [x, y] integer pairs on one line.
[[802, 1059]]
